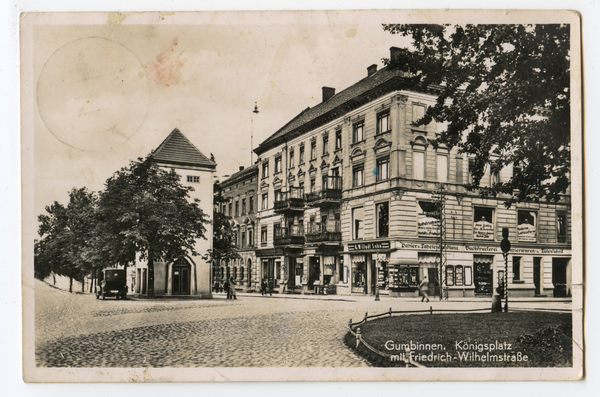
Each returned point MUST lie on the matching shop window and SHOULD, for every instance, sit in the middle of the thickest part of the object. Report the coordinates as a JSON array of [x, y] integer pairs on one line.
[[265, 201], [265, 169], [358, 132], [483, 223], [291, 158], [277, 270], [263, 235], [459, 276], [418, 165], [357, 223], [418, 111], [313, 149], [428, 221], [359, 275], [383, 122], [338, 139], [468, 275], [383, 169], [383, 216], [516, 267], [442, 168], [561, 226], [358, 175], [250, 204], [450, 276], [526, 226], [193, 179], [325, 144], [301, 155]]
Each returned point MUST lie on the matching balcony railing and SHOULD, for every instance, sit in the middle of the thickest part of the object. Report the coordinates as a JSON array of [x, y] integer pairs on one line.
[[288, 235], [328, 231], [331, 190], [293, 199]]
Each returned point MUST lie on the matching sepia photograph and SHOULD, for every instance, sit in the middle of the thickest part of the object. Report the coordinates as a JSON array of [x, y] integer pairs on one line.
[[302, 196]]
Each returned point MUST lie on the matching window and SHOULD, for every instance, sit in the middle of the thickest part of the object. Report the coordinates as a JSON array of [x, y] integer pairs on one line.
[[301, 157], [241, 273], [278, 195], [561, 226], [516, 267], [235, 238], [237, 208], [442, 168], [459, 170], [265, 169], [357, 175], [243, 206], [383, 122], [250, 238], [382, 211], [251, 204], [325, 144], [338, 139], [383, 172], [358, 132], [418, 112], [471, 169], [495, 174], [450, 275], [234, 276], [517, 170], [459, 277], [357, 223], [265, 201], [428, 219], [291, 158], [418, 165], [243, 239], [483, 223], [312, 185], [193, 179], [263, 235], [313, 149], [277, 165], [230, 209], [526, 226]]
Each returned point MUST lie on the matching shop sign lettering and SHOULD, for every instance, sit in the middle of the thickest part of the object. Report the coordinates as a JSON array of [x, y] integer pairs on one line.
[[369, 246], [483, 230], [428, 226], [526, 232]]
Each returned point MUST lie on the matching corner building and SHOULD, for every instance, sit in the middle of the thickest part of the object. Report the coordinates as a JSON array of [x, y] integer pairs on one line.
[[348, 194]]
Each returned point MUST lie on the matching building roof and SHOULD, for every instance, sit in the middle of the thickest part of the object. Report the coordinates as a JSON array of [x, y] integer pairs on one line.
[[379, 83], [176, 149], [240, 175]]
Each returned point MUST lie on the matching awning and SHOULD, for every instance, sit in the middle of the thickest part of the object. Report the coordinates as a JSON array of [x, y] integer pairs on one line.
[[404, 262], [329, 260], [483, 259], [429, 258], [358, 259]]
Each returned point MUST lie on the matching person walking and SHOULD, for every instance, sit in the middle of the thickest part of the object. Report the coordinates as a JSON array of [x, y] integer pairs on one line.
[[423, 286], [226, 288], [263, 286], [232, 288]]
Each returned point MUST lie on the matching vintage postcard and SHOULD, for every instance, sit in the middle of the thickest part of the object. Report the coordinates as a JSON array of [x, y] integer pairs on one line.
[[302, 196]]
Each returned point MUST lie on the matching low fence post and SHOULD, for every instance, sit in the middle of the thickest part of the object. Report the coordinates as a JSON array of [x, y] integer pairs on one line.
[[430, 310], [366, 315], [350, 324], [390, 312], [358, 337]]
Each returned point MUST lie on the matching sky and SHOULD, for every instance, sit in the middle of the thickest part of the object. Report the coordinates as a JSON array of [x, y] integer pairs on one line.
[[106, 94]]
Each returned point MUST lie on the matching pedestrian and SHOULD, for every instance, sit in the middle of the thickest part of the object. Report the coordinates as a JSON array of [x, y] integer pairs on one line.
[[263, 286], [423, 289], [226, 288], [232, 288], [216, 287], [270, 286]]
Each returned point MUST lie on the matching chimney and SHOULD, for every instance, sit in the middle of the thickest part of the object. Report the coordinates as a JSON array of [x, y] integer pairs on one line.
[[328, 92], [241, 168], [371, 70], [396, 55]]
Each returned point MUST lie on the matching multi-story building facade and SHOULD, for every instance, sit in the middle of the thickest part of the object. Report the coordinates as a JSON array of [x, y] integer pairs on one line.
[[240, 193], [348, 197], [189, 275]]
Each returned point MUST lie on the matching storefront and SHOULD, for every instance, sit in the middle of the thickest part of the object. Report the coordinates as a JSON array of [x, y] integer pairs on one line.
[[369, 267]]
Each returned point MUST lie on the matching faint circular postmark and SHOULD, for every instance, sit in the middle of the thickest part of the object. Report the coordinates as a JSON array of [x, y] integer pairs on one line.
[[92, 94]]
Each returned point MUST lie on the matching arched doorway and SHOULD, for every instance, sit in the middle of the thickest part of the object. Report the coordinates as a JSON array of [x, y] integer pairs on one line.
[[180, 277]]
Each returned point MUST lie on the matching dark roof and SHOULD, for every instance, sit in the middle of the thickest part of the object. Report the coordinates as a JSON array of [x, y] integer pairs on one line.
[[176, 149], [240, 175], [337, 105]]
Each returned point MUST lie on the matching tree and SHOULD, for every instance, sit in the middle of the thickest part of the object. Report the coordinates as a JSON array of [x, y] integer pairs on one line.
[[151, 213], [224, 248], [504, 95]]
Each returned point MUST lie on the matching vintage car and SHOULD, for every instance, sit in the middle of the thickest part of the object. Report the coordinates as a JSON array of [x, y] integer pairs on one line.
[[112, 282]]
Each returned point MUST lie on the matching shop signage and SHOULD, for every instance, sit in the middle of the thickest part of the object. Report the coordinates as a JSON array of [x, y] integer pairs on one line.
[[379, 257], [483, 230], [478, 248], [426, 246], [428, 226], [369, 246]]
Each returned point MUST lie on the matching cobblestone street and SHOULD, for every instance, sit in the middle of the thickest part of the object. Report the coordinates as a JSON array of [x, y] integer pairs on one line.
[[76, 330]]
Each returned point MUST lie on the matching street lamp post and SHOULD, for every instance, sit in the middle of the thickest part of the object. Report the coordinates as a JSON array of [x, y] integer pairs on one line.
[[505, 246]]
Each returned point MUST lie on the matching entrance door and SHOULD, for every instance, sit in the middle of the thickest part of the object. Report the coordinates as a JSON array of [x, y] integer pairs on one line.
[[433, 283], [181, 279], [314, 270], [537, 275], [559, 277], [483, 279]]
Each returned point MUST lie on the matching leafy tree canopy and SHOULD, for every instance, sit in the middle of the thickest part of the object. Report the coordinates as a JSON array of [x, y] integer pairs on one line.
[[223, 244], [504, 97]]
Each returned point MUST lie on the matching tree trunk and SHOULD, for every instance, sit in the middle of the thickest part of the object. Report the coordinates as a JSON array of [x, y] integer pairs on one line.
[[93, 279], [82, 284], [150, 275], [54, 278], [70, 283]]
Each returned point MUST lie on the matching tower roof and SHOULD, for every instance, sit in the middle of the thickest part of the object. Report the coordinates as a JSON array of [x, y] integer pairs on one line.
[[176, 149]]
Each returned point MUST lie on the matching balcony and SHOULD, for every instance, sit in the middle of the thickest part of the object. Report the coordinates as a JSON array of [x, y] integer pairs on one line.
[[330, 193], [288, 235], [290, 201], [324, 232]]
